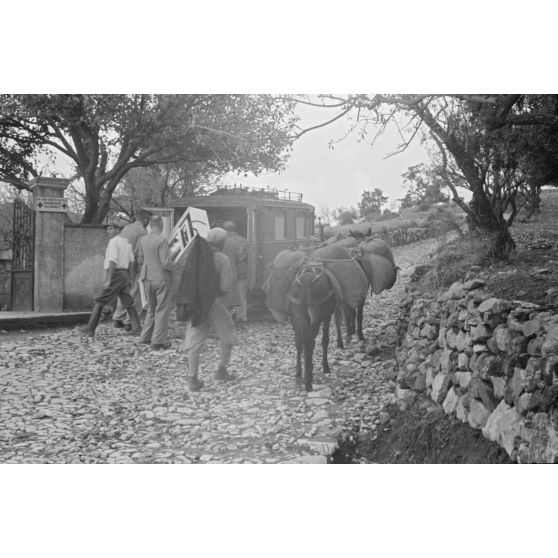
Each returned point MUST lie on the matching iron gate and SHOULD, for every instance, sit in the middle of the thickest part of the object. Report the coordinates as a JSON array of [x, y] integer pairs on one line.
[[22, 257]]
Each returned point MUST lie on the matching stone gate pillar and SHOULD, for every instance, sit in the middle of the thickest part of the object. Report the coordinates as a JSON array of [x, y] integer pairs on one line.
[[50, 207]]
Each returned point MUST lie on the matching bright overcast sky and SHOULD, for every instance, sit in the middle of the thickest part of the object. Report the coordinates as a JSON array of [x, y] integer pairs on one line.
[[330, 178]]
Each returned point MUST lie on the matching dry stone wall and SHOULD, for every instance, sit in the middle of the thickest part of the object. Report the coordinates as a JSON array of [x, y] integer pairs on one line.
[[401, 236], [393, 238], [488, 362]]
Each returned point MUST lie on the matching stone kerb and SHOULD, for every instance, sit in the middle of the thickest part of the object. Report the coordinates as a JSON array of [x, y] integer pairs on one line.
[[491, 363]]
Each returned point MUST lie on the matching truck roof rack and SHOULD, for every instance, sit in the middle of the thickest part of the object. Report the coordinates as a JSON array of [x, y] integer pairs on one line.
[[268, 192]]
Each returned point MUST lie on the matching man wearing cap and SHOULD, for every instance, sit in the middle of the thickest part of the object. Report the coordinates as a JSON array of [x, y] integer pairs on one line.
[[218, 318], [156, 273], [118, 263], [236, 248], [133, 233]]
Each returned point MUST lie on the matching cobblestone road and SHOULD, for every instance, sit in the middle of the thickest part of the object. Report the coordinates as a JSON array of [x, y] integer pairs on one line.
[[67, 399]]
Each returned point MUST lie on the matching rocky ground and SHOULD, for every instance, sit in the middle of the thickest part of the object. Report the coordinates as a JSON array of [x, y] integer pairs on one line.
[[68, 399]]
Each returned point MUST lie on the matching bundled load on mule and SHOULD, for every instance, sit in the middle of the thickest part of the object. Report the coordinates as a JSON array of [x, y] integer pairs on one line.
[[350, 276], [379, 265], [375, 262], [360, 235], [346, 242], [282, 274], [379, 247]]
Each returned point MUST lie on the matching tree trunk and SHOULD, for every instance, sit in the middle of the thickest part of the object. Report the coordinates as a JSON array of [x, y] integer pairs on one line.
[[165, 189], [501, 244], [99, 195], [91, 201], [535, 201], [102, 210], [486, 224]]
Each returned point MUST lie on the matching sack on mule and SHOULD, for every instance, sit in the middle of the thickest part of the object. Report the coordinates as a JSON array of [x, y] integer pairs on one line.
[[288, 258], [350, 276], [378, 247], [331, 252], [348, 242], [281, 275], [380, 271]]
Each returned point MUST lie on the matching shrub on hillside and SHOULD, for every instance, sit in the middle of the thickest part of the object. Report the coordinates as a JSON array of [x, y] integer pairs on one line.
[[405, 211], [329, 232], [388, 215], [442, 220], [453, 260], [373, 216]]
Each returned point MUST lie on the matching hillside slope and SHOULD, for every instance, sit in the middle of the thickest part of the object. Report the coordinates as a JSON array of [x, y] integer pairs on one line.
[[423, 433]]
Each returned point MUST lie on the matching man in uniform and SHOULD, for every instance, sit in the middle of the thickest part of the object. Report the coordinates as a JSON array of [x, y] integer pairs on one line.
[[218, 317], [133, 233], [236, 248], [119, 261], [156, 273]]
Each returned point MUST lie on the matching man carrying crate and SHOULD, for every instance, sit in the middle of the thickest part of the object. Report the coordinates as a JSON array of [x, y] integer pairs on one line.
[[205, 280]]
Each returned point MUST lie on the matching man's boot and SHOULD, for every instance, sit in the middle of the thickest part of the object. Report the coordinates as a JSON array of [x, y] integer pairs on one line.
[[91, 326], [221, 374], [194, 383], [134, 321]]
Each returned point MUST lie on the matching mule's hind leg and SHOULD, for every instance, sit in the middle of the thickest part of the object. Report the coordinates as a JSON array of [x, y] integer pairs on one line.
[[298, 374], [325, 344], [308, 364], [299, 349], [350, 318], [338, 323], [360, 312]]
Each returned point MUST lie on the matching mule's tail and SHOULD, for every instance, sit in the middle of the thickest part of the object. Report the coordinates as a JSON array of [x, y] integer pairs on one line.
[[301, 312]]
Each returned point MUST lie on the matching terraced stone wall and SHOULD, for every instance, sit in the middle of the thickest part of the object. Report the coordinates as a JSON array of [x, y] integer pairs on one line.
[[488, 362], [401, 236], [393, 238]]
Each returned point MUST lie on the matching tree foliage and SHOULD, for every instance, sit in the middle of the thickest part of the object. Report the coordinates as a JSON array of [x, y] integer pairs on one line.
[[424, 186], [345, 215], [497, 146], [371, 202], [156, 186], [536, 149], [106, 136], [325, 214]]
